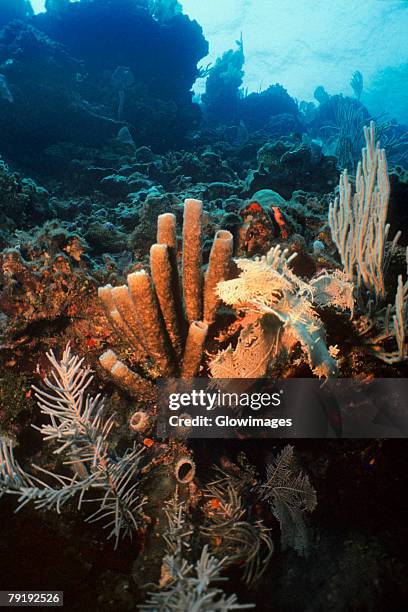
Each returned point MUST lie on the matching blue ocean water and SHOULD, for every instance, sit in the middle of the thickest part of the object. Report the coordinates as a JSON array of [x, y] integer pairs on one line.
[[301, 44]]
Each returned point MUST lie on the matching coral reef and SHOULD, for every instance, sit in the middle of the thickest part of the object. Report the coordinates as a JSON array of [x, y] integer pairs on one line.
[[225, 103], [45, 286], [72, 94], [290, 164], [156, 234], [24, 203], [83, 436]]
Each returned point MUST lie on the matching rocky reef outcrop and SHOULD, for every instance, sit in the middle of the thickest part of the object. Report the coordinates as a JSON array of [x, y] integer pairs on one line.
[[146, 77], [257, 110], [225, 101], [45, 106], [14, 9], [59, 83]]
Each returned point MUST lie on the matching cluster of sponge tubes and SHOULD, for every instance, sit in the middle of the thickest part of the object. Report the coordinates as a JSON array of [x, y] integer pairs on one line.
[[164, 316]]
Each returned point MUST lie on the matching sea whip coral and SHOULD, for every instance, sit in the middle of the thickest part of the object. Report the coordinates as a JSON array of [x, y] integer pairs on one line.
[[359, 228]]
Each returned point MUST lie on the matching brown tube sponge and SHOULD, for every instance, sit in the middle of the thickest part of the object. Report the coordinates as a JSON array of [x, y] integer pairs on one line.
[[164, 283], [218, 270], [113, 316], [133, 383], [151, 322], [138, 351], [120, 325], [126, 308], [167, 234], [127, 379], [108, 360], [116, 320], [166, 230], [140, 421], [193, 352], [184, 470], [105, 295], [192, 273]]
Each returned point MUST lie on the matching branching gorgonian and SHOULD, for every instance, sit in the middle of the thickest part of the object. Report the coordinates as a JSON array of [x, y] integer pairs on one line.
[[286, 489], [186, 585], [232, 535], [290, 496], [281, 311], [359, 229], [80, 430]]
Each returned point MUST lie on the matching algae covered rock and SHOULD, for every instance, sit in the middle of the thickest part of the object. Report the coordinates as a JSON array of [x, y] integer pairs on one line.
[[219, 189], [105, 237], [23, 201], [258, 109], [115, 186], [268, 198], [291, 163]]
